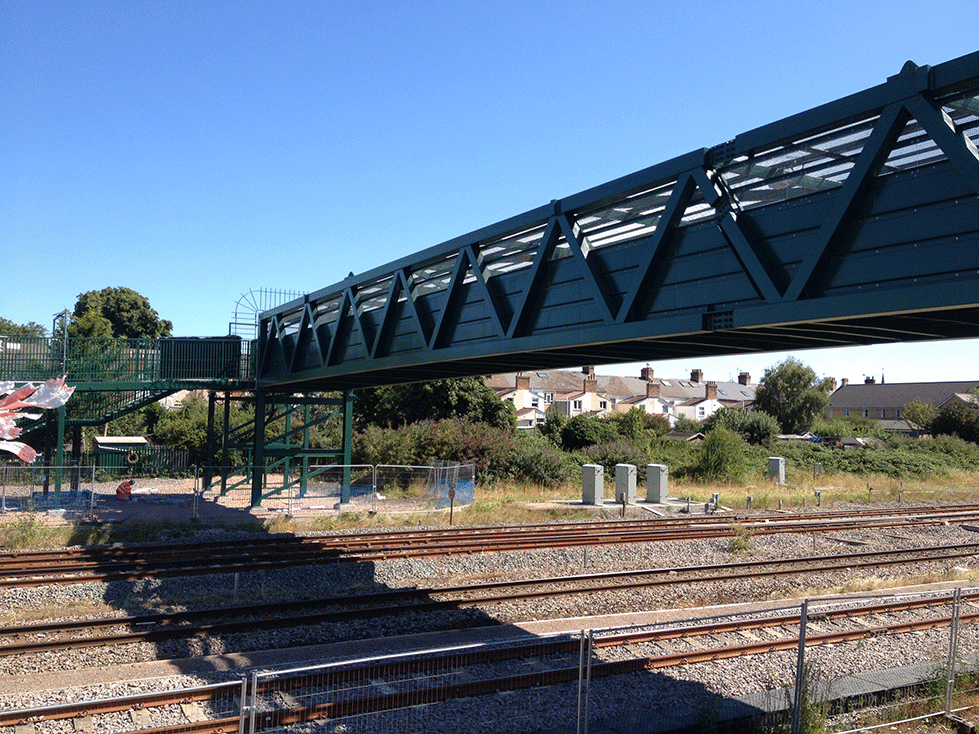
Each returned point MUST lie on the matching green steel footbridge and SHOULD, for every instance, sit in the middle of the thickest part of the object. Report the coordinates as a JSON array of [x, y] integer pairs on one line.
[[856, 222]]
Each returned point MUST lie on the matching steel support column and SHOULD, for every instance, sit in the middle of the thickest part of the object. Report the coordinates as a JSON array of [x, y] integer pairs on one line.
[[348, 443], [258, 448], [209, 452]]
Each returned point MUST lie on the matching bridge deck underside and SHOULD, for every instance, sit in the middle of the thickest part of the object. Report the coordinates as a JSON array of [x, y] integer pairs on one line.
[[856, 223]]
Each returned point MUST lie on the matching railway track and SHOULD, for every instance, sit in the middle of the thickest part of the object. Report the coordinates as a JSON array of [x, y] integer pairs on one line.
[[294, 697], [32, 639], [109, 563]]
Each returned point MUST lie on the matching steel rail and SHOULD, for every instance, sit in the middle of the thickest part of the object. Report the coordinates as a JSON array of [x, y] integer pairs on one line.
[[390, 701], [217, 549], [39, 575], [433, 599]]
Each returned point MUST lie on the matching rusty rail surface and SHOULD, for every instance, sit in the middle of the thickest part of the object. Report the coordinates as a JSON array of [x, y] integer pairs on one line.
[[47, 637], [565, 644], [33, 568]]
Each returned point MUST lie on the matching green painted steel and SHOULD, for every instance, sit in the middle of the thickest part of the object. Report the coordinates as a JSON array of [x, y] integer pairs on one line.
[[96, 364], [113, 377], [856, 222]]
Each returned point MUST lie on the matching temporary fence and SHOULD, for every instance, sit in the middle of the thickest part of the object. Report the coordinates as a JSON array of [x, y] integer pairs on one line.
[[314, 488], [97, 492], [32, 488], [91, 492]]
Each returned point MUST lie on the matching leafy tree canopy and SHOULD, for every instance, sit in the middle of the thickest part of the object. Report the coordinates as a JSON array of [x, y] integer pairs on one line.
[[687, 425], [919, 414], [957, 419], [392, 406], [587, 430], [757, 427], [117, 312], [9, 328], [793, 394]]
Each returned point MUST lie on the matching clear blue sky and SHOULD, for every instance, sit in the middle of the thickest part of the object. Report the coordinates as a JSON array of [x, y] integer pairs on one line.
[[193, 151]]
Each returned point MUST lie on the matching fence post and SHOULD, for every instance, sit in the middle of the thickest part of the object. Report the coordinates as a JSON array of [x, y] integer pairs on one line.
[[953, 644], [800, 668], [253, 705], [194, 511], [3, 496], [91, 498], [581, 681], [588, 655], [243, 707]]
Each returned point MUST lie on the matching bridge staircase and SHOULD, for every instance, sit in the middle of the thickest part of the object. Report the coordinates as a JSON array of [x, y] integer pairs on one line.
[[285, 448]]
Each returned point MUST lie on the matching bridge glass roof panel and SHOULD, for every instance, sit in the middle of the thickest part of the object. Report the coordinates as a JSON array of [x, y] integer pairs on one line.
[[373, 295], [913, 149], [808, 165], [697, 210], [964, 113], [633, 218], [511, 253], [432, 277], [326, 312]]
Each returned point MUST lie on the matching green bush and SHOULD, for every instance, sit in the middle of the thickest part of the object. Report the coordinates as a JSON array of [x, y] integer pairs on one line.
[[587, 430], [539, 461], [495, 453], [611, 453], [756, 427], [849, 427], [681, 457], [722, 457]]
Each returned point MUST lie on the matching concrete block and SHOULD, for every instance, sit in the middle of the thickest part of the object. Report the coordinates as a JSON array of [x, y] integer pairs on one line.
[[657, 483], [625, 483], [592, 484], [776, 469]]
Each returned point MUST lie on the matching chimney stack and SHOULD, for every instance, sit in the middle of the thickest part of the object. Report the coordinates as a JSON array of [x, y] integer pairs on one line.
[[744, 378], [712, 391], [652, 389], [590, 383], [646, 373], [869, 380], [696, 376], [844, 382], [590, 370], [523, 381]]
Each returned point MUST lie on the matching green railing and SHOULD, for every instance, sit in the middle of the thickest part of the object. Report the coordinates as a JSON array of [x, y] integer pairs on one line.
[[108, 361]]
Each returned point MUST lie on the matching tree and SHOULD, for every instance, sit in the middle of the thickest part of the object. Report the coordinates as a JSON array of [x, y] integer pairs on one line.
[[117, 312], [919, 414], [957, 419], [9, 328], [756, 426], [793, 395], [687, 425], [637, 425], [586, 430], [398, 405]]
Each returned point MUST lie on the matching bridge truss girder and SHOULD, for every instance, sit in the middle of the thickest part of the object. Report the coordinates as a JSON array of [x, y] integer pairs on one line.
[[856, 222]]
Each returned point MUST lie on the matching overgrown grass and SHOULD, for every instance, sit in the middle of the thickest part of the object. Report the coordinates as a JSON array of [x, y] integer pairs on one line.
[[515, 502], [27, 532]]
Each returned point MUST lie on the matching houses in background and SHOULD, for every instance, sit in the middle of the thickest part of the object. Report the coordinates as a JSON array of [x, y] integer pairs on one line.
[[884, 403], [572, 393]]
